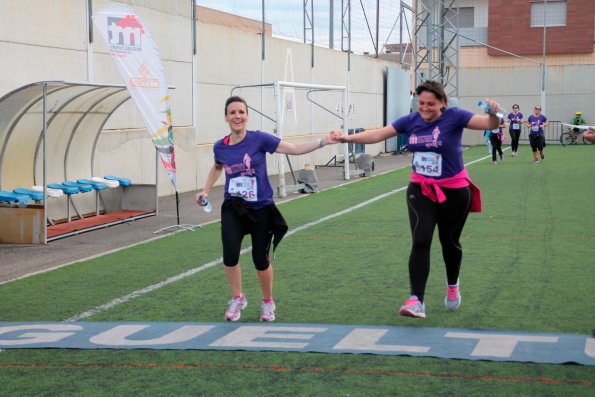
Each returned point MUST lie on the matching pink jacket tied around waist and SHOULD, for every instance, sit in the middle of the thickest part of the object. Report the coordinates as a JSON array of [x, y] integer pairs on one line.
[[431, 187]]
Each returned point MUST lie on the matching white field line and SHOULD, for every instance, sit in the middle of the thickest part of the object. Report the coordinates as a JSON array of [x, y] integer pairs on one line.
[[181, 276], [49, 269], [219, 261]]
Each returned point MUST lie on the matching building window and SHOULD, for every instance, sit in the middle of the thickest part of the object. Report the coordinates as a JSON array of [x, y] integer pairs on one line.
[[466, 17], [550, 12]]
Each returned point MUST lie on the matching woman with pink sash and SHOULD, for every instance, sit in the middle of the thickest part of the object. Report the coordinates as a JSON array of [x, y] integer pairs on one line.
[[440, 192]]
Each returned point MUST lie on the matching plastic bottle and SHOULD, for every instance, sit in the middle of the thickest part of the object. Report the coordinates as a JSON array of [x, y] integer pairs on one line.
[[486, 108], [207, 207]]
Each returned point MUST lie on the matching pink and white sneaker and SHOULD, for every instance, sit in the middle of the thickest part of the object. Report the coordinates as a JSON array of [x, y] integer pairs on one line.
[[236, 305], [267, 311], [413, 308], [452, 300]]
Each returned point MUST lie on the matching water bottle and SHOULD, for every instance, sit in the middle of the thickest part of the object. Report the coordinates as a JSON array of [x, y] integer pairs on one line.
[[486, 108], [207, 207]]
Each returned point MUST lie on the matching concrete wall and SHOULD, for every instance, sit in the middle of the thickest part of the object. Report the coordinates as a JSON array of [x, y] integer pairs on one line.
[[511, 80], [226, 57]]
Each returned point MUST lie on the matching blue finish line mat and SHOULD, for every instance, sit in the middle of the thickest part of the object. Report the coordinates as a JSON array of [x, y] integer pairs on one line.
[[466, 344]]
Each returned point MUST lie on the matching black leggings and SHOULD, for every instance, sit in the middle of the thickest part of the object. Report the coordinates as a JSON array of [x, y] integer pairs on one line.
[[496, 145], [537, 142], [424, 215], [233, 229], [514, 140]]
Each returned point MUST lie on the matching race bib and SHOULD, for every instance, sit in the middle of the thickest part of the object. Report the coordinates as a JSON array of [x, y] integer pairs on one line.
[[535, 128], [515, 126], [428, 163], [243, 186]]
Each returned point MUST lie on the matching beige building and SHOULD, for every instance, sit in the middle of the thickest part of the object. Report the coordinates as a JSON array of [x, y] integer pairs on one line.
[[228, 53]]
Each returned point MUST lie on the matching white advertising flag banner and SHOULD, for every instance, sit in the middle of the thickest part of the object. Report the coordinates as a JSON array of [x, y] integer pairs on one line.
[[136, 55]]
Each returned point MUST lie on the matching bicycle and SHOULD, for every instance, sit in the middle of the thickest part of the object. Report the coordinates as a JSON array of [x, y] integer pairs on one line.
[[572, 137]]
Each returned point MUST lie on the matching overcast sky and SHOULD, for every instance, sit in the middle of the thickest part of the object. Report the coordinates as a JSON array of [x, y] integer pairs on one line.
[[286, 17]]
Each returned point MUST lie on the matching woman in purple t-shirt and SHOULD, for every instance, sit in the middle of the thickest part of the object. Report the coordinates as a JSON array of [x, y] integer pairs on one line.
[[536, 124], [440, 191], [515, 120], [248, 207]]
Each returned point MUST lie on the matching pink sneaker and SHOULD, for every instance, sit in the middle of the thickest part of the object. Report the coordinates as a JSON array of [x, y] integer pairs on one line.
[[452, 300], [413, 308], [234, 311], [267, 311]]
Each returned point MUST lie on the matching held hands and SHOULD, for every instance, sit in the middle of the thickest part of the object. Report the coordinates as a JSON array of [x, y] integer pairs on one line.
[[329, 139], [338, 136]]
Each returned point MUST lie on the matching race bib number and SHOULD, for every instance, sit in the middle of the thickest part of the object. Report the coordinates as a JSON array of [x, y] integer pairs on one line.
[[244, 187], [535, 128], [428, 163], [515, 126]]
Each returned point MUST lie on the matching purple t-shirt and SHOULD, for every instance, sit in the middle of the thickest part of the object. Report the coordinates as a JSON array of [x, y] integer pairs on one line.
[[536, 124], [442, 136], [245, 166], [515, 119]]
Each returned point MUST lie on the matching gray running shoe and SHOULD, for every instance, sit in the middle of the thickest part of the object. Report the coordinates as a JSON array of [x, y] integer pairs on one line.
[[452, 300]]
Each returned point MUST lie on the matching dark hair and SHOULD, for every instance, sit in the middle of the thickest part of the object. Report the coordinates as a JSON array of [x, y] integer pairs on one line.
[[233, 99], [515, 106], [435, 88]]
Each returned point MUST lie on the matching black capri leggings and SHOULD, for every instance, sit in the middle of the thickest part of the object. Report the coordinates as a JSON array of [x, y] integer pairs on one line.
[[537, 142], [424, 215], [233, 229]]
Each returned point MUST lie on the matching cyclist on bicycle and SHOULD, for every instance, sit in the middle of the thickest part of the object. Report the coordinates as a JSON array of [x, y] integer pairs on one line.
[[577, 120]]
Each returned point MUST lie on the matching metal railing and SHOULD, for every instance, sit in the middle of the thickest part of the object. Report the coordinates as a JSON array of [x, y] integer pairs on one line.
[[552, 132]]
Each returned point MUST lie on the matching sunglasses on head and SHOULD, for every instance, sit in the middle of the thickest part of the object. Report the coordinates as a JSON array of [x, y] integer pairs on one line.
[[537, 108]]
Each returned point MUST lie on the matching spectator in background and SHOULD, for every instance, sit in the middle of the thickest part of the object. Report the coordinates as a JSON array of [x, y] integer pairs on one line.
[[486, 134], [578, 120]]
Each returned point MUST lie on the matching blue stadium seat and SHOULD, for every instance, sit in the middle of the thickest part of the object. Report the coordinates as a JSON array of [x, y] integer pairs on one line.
[[10, 197], [123, 181], [96, 185], [83, 187], [37, 196]]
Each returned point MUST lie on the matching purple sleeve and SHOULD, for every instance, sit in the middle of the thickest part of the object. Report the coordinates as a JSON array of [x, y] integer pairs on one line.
[[400, 124], [464, 115], [216, 148], [269, 142]]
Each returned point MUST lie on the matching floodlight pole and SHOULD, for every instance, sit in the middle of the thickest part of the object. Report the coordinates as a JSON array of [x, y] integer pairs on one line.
[[543, 58]]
